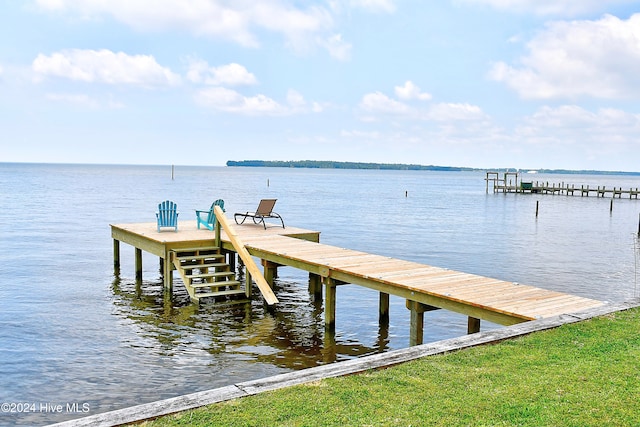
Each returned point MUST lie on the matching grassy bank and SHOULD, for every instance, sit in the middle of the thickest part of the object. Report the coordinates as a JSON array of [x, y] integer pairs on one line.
[[583, 374]]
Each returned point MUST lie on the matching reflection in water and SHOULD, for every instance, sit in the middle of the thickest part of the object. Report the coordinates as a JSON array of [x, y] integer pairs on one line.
[[290, 336]]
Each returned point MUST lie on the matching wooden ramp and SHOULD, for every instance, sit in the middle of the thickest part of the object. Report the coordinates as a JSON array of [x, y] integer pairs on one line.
[[479, 297]]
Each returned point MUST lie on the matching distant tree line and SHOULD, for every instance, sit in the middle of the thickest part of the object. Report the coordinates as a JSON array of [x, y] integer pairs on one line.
[[327, 164]]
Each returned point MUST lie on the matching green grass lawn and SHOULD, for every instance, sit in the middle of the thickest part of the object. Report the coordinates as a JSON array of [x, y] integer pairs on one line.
[[582, 374]]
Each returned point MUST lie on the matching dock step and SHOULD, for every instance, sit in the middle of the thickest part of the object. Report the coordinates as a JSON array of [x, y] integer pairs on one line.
[[205, 273], [224, 275], [226, 284], [195, 258], [204, 265], [229, 293]]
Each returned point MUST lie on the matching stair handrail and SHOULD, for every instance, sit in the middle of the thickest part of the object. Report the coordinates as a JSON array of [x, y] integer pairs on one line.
[[269, 297]]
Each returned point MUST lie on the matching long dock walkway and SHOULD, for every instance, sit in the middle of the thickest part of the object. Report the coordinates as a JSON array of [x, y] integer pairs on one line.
[[424, 287], [512, 182]]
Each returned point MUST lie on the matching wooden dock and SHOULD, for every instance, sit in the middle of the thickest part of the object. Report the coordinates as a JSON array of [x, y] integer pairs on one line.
[[424, 287], [512, 182]]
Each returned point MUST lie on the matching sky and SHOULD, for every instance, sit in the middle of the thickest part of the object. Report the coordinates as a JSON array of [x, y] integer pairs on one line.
[[525, 84]]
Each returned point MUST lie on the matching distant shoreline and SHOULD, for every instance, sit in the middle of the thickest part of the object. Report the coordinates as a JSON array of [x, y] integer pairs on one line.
[[328, 164]]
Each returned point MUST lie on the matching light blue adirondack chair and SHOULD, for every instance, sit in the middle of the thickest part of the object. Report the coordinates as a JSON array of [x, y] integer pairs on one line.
[[167, 215], [208, 218]]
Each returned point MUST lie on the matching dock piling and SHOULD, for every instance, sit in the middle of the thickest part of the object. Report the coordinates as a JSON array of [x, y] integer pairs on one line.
[[383, 318], [116, 256], [473, 325], [330, 303]]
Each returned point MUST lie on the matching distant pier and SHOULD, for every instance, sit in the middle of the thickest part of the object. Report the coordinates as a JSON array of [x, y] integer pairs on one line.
[[512, 182]]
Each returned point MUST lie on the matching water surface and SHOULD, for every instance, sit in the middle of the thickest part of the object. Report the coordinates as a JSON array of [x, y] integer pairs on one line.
[[72, 332]]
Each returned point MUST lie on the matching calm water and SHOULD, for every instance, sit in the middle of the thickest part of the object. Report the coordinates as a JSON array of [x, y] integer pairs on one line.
[[72, 333]]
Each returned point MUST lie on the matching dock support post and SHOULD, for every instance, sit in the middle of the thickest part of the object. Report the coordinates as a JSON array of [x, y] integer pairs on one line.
[[315, 286], [231, 260], [138, 264], [330, 303], [270, 271], [383, 318], [116, 256], [473, 325], [248, 281], [248, 284], [167, 273], [416, 328], [416, 331]]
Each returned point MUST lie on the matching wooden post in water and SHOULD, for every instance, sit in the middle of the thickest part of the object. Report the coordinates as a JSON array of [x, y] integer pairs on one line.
[[611, 206], [473, 325], [167, 273], [537, 205], [116, 255], [270, 270], [416, 324], [139, 264], [315, 286], [383, 318], [330, 303]]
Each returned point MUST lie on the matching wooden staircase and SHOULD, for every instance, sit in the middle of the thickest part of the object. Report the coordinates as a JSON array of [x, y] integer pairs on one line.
[[206, 273]]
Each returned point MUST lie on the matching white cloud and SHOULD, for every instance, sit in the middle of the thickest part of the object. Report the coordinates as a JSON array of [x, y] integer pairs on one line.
[[337, 48], [579, 123], [604, 137], [579, 58], [295, 99], [386, 6], [360, 134], [230, 101], [552, 7], [231, 74], [236, 21], [104, 66], [83, 100], [411, 91], [75, 99], [378, 102], [453, 112]]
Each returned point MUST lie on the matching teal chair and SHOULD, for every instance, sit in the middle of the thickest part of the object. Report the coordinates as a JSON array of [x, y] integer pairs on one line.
[[167, 215], [208, 218]]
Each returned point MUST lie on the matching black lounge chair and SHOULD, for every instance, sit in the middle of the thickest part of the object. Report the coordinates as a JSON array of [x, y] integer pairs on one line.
[[265, 210]]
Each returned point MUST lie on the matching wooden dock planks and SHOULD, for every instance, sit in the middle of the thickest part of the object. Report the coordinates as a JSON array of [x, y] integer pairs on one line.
[[479, 297], [484, 297]]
